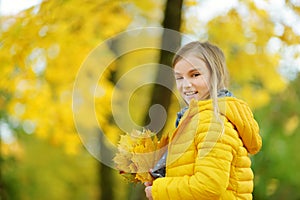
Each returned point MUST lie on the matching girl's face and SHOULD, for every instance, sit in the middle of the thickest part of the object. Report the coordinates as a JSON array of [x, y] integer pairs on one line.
[[192, 78]]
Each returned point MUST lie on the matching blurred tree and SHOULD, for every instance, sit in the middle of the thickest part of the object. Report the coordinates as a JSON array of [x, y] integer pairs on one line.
[[37, 51], [42, 49], [172, 20]]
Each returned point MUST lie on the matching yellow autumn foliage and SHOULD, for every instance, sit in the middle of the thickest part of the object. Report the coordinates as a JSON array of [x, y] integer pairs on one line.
[[289, 36], [138, 152], [45, 46], [41, 53], [243, 33], [291, 125]]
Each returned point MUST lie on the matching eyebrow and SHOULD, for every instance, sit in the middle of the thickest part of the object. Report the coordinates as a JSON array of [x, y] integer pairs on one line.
[[192, 70], [195, 69]]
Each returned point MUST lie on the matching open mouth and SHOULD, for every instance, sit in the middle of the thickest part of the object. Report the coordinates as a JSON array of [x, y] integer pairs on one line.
[[190, 93]]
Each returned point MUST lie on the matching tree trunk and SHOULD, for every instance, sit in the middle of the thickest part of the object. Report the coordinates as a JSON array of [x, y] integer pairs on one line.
[[160, 94], [172, 21], [106, 180]]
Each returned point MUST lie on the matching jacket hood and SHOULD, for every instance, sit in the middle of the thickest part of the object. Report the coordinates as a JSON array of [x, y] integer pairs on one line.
[[240, 115]]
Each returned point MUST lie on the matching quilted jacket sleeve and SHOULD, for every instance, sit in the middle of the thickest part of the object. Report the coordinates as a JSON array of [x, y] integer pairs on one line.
[[214, 154]]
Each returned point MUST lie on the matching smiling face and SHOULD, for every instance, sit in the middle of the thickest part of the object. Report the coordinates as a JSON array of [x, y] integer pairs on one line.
[[192, 78]]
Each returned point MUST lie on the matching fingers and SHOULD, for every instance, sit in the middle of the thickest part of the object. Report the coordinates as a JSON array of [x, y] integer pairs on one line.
[[148, 184], [148, 192]]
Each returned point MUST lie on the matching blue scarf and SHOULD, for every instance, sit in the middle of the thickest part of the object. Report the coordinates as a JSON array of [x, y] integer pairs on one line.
[[221, 93]]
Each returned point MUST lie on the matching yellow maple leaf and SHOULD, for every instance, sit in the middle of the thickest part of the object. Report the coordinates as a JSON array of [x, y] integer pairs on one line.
[[137, 154]]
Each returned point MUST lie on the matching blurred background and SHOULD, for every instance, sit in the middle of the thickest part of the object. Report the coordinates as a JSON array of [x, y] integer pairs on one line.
[[44, 43]]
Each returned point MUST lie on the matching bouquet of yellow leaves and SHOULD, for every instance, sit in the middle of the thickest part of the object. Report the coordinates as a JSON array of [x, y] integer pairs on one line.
[[138, 152]]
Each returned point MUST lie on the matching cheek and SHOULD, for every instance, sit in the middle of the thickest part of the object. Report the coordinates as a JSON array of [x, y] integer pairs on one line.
[[178, 86], [204, 82]]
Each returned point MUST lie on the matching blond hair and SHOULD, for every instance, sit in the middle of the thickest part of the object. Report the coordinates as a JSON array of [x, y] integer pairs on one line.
[[214, 58]]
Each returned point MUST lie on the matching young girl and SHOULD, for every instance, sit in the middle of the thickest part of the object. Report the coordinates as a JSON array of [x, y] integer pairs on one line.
[[207, 155]]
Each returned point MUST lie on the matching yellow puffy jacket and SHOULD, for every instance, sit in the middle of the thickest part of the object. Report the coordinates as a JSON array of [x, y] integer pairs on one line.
[[208, 155]]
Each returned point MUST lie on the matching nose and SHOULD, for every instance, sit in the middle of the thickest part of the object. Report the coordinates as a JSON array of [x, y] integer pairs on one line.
[[186, 83]]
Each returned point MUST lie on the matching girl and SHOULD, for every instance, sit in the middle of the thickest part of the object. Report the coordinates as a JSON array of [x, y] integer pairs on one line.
[[207, 155]]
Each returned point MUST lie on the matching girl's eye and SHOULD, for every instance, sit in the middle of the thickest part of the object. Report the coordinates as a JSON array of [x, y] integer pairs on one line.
[[178, 77], [196, 74]]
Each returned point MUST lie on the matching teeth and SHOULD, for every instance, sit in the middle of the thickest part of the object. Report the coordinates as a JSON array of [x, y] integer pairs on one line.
[[190, 93]]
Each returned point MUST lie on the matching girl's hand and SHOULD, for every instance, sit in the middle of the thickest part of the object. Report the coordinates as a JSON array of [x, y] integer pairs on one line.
[[148, 184], [149, 192]]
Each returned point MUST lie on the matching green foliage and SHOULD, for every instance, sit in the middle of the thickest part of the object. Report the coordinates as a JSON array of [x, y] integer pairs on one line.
[[43, 171], [276, 166]]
